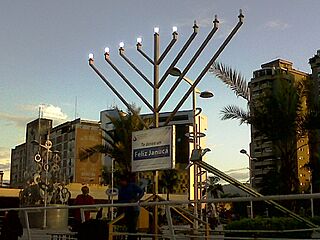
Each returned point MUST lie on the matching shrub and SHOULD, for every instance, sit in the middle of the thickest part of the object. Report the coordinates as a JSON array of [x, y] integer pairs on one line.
[[268, 224]]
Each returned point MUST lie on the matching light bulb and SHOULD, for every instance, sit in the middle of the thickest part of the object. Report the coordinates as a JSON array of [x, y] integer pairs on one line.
[[139, 40], [174, 29], [156, 30], [121, 44], [91, 56], [107, 50]]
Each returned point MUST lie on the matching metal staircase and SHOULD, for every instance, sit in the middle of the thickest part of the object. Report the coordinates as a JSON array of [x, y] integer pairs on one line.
[[250, 191]]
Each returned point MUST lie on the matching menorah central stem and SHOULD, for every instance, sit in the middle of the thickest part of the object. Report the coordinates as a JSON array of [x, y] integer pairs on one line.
[[156, 119]]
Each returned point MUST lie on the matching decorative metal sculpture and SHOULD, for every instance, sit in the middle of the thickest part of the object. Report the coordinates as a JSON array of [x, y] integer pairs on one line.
[[45, 186]]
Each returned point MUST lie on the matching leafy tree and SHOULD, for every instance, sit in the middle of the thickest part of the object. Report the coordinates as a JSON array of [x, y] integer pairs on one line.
[[118, 142], [169, 179], [278, 115]]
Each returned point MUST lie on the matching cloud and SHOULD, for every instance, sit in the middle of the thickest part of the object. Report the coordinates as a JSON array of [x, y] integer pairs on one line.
[[4, 159], [240, 175], [18, 120], [4, 153], [47, 111], [277, 25], [53, 112]]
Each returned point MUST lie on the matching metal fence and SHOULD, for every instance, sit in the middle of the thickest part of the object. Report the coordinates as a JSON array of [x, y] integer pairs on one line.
[[169, 231]]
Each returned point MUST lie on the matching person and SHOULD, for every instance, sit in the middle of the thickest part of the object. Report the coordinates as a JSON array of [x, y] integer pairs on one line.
[[82, 199], [12, 227], [129, 192]]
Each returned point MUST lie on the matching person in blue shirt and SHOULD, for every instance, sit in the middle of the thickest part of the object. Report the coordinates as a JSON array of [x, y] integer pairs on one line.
[[129, 192]]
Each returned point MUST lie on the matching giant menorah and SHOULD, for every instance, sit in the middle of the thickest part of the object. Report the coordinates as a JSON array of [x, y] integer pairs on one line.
[[156, 105]]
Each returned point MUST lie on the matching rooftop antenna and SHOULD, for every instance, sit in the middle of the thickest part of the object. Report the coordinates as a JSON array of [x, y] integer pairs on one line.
[[76, 108], [39, 125]]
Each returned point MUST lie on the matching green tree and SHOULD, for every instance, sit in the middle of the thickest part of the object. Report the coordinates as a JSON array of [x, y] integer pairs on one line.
[[169, 178], [279, 115], [118, 141], [213, 188]]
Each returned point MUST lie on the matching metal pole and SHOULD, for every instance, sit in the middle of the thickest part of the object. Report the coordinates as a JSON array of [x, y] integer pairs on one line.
[[26, 216], [91, 64], [195, 167], [311, 191], [46, 182], [170, 224], [112, 186], [250, 175], [156, 119]]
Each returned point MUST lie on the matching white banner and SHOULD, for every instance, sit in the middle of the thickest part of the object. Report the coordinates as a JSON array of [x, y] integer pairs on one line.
[[153, 149]]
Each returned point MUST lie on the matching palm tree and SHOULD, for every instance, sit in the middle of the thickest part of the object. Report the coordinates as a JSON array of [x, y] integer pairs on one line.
[[118, 142], [279, 115], [213, 188], [169, 178]]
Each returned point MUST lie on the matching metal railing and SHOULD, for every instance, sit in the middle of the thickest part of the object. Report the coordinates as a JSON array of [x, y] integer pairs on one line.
[[171, 231]]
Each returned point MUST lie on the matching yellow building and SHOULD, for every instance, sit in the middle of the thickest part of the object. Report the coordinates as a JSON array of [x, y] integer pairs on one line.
[[70, 139]]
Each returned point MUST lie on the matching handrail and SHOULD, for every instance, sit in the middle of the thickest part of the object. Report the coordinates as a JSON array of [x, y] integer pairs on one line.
[[169, 204], [178, 202], [251, 191]]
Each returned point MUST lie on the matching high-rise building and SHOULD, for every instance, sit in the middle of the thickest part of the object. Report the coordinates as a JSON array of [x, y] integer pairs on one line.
[[70, 140], [314, 135], [22, 156], [18, 165], [262, 150], [315, 67]]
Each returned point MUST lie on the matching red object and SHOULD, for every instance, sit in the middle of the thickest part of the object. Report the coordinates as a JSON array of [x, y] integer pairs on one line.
[[83, 200]]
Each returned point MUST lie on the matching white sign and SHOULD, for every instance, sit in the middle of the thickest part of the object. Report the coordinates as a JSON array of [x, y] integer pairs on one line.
[[153, 149]]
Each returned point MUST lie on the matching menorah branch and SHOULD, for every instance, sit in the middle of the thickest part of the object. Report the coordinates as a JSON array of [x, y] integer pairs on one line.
[[206, 68]]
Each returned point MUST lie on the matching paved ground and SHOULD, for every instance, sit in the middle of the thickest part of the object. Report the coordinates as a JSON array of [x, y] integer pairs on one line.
[[39, 234]]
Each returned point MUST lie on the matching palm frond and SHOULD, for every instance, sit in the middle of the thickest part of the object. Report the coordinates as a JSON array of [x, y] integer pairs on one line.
[[235, 112], [233, 79]]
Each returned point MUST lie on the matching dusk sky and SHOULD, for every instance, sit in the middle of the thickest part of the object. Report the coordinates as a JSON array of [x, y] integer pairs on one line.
[[45, 46]]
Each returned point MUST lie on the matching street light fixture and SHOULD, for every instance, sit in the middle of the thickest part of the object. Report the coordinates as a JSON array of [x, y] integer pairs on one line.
[[195, 135], [176, 72], [243, 151]]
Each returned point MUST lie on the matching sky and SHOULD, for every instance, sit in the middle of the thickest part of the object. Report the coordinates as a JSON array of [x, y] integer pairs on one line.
[[45, 45]]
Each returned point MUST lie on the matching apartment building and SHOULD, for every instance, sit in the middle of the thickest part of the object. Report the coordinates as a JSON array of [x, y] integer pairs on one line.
[[264, 153], [69, 140]]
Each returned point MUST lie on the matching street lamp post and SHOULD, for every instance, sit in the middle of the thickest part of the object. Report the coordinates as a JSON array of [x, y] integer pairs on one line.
[[156, 61], [196, 143], [45, 163], [311, 191], [243, 151]]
